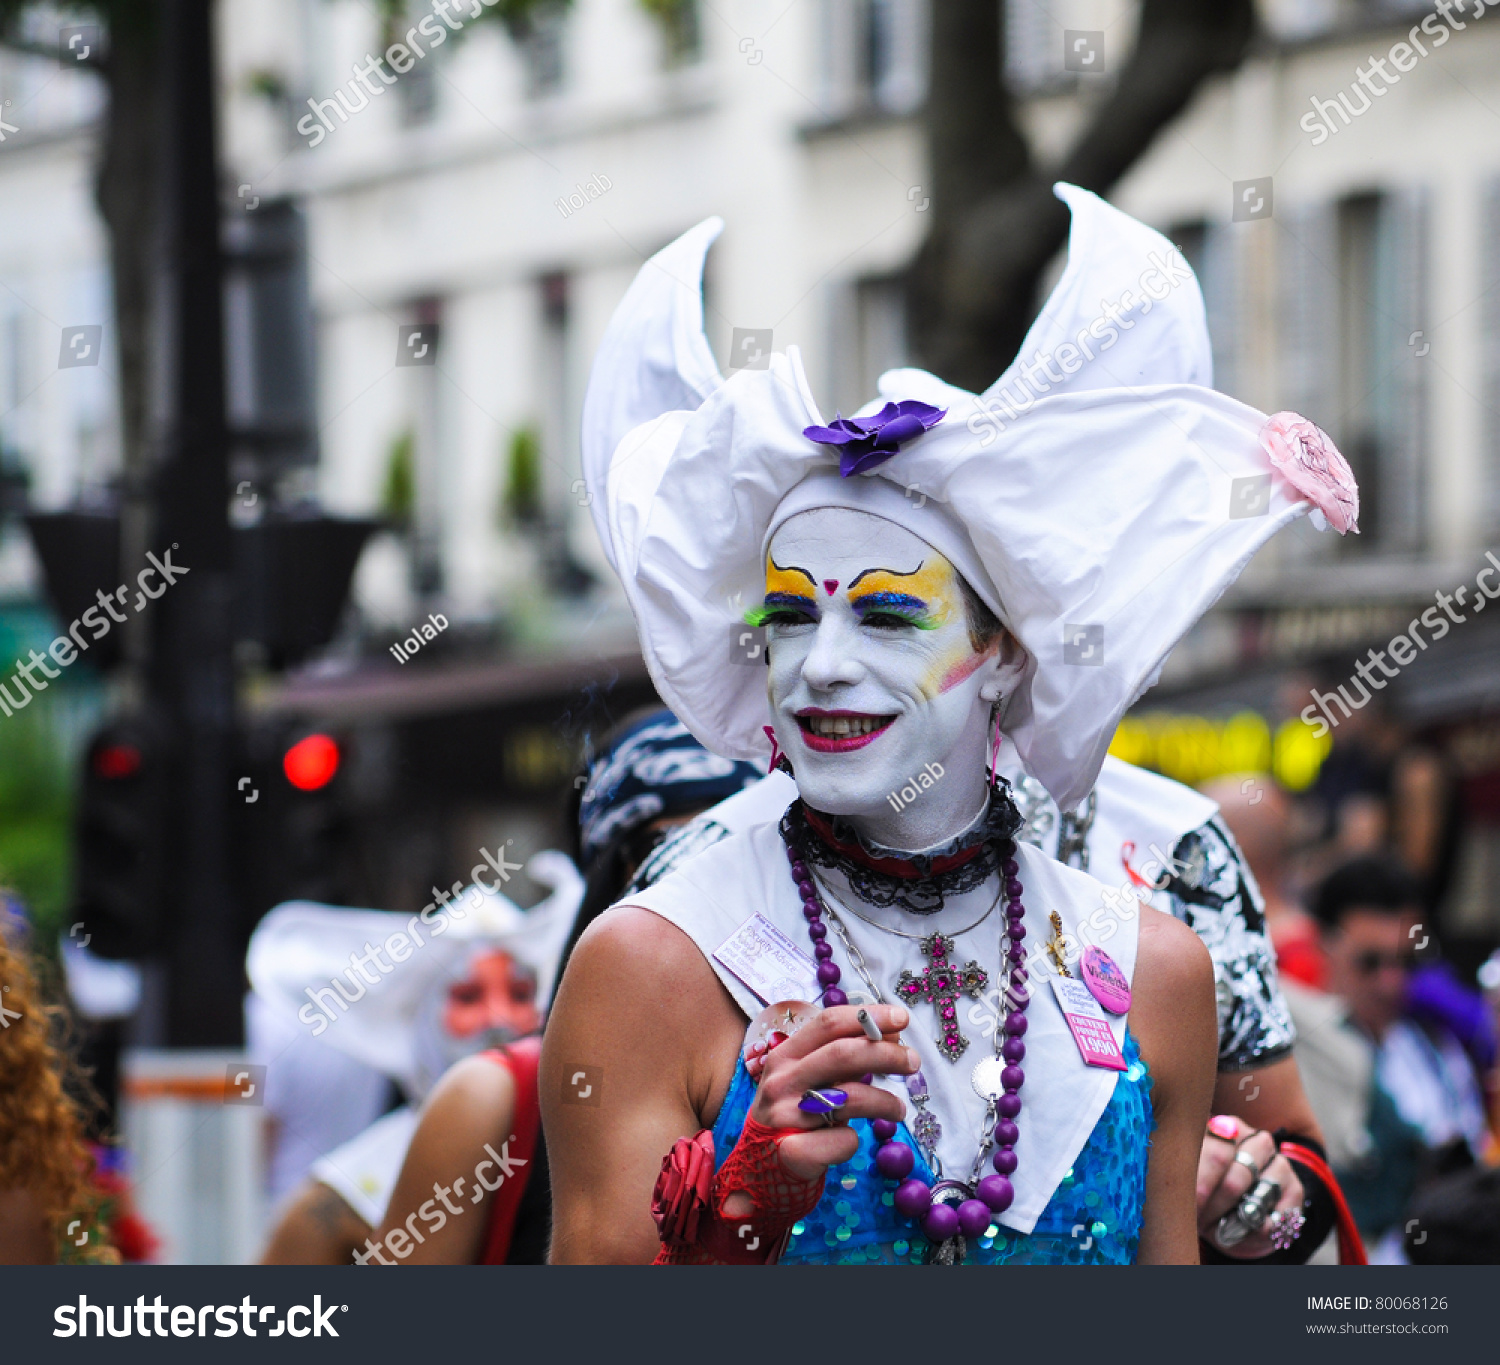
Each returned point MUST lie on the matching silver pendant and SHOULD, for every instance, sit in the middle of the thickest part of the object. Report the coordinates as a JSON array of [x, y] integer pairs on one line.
[[985, 1078], [953, 1250]]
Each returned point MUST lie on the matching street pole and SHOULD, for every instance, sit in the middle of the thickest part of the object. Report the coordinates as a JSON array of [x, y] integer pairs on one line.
[[190, 674]]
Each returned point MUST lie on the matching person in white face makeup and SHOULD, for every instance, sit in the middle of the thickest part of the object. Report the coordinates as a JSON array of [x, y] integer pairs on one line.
[[1034, 587]]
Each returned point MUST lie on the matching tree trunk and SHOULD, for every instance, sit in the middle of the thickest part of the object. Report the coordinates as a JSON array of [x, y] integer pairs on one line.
[[972, 290]]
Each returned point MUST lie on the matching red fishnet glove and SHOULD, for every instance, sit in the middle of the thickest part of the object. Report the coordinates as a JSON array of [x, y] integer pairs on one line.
[[691, 1219]]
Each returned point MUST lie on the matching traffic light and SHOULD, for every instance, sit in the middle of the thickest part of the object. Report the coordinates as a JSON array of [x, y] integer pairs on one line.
[[120, 839], [311, 763], [294, 833], [315, 825]]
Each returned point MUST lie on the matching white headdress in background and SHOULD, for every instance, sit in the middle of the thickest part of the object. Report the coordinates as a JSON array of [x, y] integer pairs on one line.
[[301, 953]]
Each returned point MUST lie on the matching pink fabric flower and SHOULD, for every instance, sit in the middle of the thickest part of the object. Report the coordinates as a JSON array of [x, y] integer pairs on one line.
[[1311, 463]]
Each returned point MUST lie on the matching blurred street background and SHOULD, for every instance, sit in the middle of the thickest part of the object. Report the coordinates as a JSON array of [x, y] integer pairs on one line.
[[329, 333]]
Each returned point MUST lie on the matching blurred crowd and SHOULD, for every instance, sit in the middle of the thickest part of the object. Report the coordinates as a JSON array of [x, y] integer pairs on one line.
[[1396, 1027]]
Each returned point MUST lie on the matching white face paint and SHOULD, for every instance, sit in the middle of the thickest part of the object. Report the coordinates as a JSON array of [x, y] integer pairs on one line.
[[875, 687]]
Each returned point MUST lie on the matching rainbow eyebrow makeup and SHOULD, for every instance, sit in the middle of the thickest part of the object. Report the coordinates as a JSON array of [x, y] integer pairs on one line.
[[922, 597], [787, 589]]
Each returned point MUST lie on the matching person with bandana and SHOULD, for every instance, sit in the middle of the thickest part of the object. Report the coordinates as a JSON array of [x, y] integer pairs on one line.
[[929, 574]]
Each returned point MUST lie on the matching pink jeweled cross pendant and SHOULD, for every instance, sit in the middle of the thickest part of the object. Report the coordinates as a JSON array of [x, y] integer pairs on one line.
[[940, 984]]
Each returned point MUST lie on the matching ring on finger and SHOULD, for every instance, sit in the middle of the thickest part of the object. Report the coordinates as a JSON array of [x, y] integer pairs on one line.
[[1256, 1206], [1284, 1227], [1249, 1215], [1243, 1158], [825, 1102]]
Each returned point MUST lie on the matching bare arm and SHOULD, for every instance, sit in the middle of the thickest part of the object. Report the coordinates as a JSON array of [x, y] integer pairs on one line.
[[642, 1012], [1174, 1017], [316, 1227], [473, 1104], [1268, 1097]]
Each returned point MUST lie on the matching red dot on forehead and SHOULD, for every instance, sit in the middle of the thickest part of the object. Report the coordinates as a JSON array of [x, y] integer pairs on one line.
[[830, 586]]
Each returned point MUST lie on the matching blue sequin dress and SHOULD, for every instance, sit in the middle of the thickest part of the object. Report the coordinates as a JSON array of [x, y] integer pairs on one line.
[[1093, 1217]]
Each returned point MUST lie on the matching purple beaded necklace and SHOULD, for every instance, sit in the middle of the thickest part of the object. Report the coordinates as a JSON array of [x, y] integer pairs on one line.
[[895, 1160]]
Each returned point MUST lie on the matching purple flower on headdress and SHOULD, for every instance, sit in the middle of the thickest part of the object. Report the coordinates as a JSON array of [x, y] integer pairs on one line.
[[865, 442]]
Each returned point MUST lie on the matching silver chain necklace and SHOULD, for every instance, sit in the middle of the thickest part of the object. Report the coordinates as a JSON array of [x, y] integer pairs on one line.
[[985, 1077], [830, 898]]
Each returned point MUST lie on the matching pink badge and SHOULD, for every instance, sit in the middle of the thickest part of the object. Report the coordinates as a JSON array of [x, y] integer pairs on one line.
[[1311, 463], [1091, 1031], [1105, 980]]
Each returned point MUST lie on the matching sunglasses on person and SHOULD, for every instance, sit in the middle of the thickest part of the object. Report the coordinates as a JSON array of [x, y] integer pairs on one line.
[[1373, 960]]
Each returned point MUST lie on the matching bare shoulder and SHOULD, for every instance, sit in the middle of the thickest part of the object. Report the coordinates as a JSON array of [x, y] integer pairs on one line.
[[1174, 1018], [1170, 958], [640, 1048], [634, 939], [635, 976], [1173, 1012], [473, 1103], [631, 958], [478, 1088]]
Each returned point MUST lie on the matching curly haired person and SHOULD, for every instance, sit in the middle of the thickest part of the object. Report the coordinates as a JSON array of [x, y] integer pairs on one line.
[[48, 1194]]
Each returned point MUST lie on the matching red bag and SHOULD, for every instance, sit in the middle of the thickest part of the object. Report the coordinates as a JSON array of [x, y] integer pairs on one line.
[[1351, 1248]]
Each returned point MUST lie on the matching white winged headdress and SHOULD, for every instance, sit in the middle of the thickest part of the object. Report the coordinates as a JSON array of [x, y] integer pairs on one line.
[[1099, 497]]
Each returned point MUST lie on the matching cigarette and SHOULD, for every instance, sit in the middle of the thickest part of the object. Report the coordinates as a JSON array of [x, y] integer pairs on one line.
[[871, 1028]]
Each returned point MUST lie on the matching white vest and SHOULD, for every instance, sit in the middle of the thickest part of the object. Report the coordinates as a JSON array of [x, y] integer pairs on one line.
[[712, 895]]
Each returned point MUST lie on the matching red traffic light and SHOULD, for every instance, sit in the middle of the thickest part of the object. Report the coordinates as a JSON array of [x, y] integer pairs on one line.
[[311, 763], [115, 761]]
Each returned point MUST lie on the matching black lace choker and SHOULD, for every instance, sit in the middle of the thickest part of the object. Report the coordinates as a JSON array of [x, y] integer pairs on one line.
[[918, 883]]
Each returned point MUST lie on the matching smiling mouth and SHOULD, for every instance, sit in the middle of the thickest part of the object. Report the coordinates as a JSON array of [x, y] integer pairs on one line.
[[839, 731]]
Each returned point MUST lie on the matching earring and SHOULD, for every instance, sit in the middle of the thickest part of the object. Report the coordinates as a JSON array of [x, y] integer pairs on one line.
[[995, 742]]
